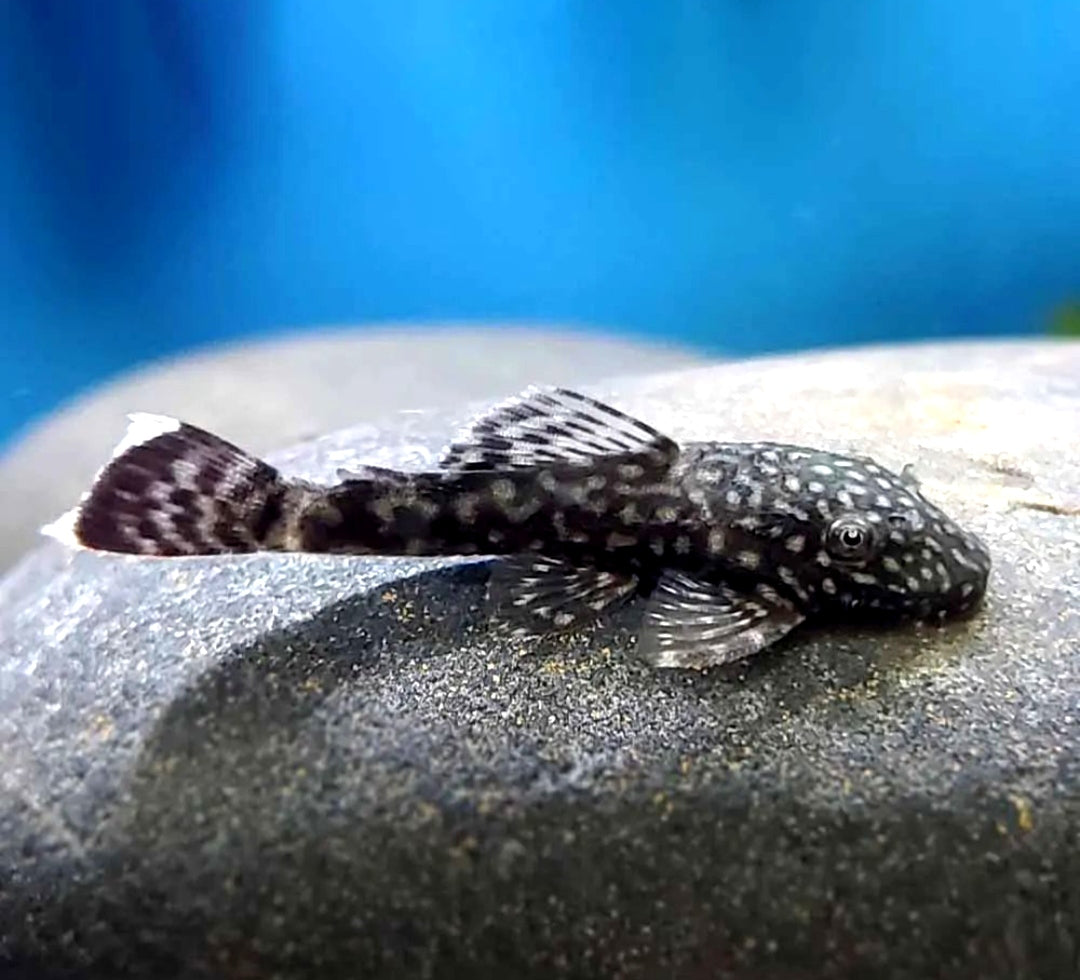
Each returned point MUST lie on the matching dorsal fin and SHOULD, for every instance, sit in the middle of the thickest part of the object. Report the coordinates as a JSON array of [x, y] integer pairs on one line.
[[545, 425]]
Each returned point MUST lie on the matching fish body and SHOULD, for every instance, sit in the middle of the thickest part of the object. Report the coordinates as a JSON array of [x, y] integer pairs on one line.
[[732, 544]]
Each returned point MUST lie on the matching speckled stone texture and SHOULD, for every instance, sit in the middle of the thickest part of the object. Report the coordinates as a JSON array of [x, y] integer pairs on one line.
[[296, 766]]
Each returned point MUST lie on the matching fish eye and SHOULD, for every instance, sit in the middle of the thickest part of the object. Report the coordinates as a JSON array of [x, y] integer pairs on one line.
[[850, 539]]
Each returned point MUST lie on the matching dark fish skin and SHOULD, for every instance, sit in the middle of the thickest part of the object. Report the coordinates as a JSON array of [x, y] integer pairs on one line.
[[761, 511], [734, 543]]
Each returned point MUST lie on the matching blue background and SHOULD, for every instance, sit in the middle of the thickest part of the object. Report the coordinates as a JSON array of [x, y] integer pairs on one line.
[[742, 176]]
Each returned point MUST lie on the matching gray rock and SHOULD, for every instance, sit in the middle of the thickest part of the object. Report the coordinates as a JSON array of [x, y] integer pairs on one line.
[[304, 766]]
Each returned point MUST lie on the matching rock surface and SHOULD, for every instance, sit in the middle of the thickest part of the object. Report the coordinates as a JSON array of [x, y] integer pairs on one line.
[[304, 766]]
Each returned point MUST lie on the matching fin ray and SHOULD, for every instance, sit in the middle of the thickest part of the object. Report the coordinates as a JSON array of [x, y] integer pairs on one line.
[[172, 489], [690, 622], [534, 594], [545, 425]]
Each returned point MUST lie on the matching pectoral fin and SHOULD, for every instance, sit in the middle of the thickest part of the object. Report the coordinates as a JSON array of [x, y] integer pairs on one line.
[[691, 622]]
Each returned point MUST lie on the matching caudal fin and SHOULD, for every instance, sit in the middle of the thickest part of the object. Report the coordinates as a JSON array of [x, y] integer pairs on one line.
[[173, 489]]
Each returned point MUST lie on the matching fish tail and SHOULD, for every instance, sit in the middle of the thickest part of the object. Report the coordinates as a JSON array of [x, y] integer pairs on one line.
[[172, 489]]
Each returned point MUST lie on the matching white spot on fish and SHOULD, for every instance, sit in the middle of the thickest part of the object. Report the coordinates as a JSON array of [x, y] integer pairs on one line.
[[748, 559], [792, 483], [815, 486], [912, 583], [828, 585], [682, 544], [864, 578], [383, 508], [963, 559], [732, 497], [666, 515], [503, 491], [716, 541], [426, 508], [822, 470], [845, 498], [823, 559], [795, 543], [766, 591], [890, 564], [882, 501]]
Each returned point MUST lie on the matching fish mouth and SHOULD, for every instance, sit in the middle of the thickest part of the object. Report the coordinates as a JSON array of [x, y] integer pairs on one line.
[[960, 601], [965, 597], [955, 580]]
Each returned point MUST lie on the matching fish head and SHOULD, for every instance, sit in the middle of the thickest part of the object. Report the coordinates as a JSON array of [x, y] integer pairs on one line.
[[847, 536], [910, 561]]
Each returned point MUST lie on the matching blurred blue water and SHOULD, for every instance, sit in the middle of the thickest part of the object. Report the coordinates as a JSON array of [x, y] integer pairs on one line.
[[743, 176]]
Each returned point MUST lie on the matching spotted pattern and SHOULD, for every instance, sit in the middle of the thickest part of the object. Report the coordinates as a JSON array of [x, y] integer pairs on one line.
[[915, 563], [172, 490], [735, 542]]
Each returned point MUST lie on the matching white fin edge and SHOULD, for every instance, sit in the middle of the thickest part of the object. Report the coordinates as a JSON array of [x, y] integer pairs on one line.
[[63, 529], [142, 427]]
